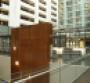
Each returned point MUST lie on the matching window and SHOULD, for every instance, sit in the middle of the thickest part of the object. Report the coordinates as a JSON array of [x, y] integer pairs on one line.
[[70, 21], [78, 7], [61, 22], [78, 19], [70, 15], [4, 44], [28, 2], [4, 2], [69, 2], [4, 40], [3, 22], [69, 8], [78, 13]]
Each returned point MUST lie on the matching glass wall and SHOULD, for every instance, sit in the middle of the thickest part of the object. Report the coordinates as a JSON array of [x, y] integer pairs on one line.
[[4, 39]]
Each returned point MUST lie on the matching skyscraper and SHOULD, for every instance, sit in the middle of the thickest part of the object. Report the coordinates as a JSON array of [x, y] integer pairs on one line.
[[27, 12]]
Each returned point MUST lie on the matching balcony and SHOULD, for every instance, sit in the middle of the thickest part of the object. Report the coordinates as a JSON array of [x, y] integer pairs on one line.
[[4, 17]]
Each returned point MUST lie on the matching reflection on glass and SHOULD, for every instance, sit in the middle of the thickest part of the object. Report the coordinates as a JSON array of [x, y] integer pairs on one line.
[[4, 39]]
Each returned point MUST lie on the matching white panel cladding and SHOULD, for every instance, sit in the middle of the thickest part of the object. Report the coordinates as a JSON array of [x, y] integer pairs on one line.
[[27, 12]]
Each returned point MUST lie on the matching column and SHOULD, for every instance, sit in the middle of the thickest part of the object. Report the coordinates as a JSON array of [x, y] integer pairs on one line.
[[48, 4], [14, 14], [36, 11], [65, 14]]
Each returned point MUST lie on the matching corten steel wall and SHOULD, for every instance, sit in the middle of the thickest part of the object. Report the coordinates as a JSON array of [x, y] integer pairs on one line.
[[30, 49]]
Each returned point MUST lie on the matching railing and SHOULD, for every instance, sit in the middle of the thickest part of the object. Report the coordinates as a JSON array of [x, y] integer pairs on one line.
[[59, 71]]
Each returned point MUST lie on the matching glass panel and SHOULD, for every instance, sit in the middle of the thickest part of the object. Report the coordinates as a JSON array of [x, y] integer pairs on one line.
[[51, 75], [4, 39], [69, 2]]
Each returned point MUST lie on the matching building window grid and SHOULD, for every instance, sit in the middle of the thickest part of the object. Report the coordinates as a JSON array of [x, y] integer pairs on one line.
[[42, 11], [4, 11]]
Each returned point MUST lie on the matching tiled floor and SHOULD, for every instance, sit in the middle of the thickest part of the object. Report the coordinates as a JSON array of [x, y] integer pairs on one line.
[[85, 78]]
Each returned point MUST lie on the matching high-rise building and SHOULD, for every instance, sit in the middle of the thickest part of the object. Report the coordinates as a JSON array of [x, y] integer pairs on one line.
[[74, 20], [61, 13], [74, 14], [27, 12], [87, 13]]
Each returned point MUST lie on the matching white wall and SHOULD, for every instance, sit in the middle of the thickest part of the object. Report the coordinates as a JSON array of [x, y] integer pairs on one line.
[[5, 68], [83, 50]]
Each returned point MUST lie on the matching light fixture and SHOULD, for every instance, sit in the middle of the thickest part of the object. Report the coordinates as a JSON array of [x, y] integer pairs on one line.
[[17, 63], [14, 48]]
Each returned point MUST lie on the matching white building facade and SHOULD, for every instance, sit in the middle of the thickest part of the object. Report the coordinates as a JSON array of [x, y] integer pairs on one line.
[[27, 12]]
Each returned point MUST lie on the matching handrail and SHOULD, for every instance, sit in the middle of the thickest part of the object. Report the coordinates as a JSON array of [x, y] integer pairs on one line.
[[59, 66], [36, 75]]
